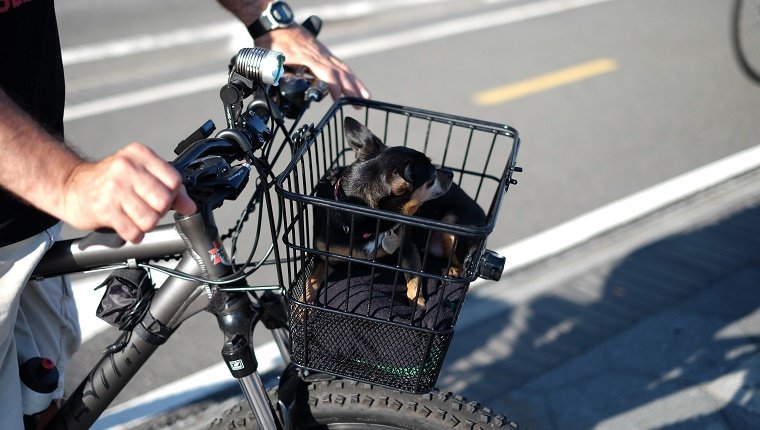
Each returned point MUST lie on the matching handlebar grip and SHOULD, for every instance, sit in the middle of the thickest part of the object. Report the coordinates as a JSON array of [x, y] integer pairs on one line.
[[102, 236], [313, 25]]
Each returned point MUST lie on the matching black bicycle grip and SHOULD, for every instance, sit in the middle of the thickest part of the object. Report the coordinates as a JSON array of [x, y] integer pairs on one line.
[[313, 25], [102, 236]]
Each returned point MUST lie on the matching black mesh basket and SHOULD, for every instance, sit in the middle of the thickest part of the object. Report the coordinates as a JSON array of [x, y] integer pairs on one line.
[[359, 322]]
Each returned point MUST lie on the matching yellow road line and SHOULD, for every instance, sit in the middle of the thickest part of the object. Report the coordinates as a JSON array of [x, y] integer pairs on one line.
[[545, 82]]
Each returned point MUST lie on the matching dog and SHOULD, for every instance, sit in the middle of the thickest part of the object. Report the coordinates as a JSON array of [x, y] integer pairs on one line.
[[453, 207], [391, 178]]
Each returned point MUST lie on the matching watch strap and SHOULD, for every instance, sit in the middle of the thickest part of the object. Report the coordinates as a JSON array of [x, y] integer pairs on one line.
[[259, 27]]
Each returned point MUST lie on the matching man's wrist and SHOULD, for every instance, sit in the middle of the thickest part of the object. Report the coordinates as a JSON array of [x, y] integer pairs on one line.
[[277, 14]]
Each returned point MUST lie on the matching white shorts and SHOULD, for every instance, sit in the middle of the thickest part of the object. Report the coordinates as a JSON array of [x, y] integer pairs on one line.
[[37, 319]]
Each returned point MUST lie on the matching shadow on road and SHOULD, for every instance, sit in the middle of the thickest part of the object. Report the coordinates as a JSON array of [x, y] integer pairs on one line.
[[662, 338]]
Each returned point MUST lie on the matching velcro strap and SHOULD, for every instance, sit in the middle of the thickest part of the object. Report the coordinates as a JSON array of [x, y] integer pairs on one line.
[[153, 331]]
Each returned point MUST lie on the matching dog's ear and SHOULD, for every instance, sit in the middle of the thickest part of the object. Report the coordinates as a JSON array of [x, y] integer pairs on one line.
[[401, 181], [364, 143], [399, 185]]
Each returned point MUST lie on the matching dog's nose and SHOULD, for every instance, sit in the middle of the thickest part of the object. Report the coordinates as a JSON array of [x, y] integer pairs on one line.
[[445, 178]]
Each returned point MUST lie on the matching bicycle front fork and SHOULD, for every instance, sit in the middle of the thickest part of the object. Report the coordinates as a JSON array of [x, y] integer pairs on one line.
[[236, 318]]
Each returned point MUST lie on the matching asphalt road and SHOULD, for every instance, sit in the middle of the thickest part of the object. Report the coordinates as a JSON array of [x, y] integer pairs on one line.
[[653, 92]]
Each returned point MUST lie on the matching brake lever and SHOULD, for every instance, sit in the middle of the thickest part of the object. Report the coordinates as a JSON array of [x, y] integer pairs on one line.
[[203, 132], [211, 180], [202, 148]]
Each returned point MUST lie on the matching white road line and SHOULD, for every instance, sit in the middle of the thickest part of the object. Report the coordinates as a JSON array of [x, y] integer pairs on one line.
[[147, 42], [145, 96], [345, 51], [220, 30], [621, 212], [462, 25], [520, 254]]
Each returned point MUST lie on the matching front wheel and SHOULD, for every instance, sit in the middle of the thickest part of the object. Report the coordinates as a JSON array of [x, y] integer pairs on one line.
[[347, 405]]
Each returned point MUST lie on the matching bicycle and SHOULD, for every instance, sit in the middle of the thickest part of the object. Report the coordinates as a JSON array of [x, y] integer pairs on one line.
[[745, 36], [359, 384]]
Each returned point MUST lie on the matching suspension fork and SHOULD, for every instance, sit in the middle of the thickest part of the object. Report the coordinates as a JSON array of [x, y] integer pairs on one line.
[[236, 318]]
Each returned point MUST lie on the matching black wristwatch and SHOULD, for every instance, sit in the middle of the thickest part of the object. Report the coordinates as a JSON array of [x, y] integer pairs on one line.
[[277, 15]]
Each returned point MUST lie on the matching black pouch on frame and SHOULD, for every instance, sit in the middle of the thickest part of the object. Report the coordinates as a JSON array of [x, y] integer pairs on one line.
[[128, 292]]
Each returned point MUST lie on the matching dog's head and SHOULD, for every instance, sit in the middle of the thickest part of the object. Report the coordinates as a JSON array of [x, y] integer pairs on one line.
[[394, 178]]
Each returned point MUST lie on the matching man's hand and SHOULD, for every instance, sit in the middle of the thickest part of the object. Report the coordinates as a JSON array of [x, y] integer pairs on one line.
[[128, 191], [302, 48]]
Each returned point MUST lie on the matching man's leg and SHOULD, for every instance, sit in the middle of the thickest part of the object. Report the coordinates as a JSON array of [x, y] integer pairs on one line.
[[48, 325], [36, 318]]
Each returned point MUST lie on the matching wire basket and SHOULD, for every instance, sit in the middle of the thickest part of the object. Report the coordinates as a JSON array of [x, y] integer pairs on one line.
[[357, 321]]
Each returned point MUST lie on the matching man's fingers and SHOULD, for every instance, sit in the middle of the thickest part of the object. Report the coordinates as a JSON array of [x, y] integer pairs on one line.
[[302, 48], [155, 165], [183, 203], [126, 228], [141, 215], [161, 187], [153, 192]]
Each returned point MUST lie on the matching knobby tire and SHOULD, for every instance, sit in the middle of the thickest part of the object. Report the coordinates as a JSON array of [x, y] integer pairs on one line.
[[348, 405]]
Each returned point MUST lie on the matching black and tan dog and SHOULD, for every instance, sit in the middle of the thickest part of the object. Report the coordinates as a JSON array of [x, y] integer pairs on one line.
[[396, 179], [453, 207]]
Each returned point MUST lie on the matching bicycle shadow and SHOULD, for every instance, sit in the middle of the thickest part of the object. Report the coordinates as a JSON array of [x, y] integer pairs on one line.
[[666, 337]]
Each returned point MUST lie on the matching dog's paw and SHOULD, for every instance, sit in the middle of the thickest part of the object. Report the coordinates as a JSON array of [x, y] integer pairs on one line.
[[455, 272], [420, 303], [310, 290], [413, 292]]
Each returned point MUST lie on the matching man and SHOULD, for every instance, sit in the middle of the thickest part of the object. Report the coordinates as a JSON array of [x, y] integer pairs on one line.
[[42, 181]]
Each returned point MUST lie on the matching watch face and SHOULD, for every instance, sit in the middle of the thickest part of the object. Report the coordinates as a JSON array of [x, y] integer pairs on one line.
[[281, 12]]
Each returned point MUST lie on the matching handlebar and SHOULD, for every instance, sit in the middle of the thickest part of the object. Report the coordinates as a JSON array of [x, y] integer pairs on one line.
[[208, 164]]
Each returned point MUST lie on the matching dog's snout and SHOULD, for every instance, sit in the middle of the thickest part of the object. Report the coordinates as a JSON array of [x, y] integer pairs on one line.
[[445, 177]]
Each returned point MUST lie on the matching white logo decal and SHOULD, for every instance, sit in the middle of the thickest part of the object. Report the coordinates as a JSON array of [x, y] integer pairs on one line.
[[237, 365]]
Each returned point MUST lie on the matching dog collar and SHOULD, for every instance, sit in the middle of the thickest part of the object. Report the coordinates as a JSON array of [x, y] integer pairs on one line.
[[388, 240]]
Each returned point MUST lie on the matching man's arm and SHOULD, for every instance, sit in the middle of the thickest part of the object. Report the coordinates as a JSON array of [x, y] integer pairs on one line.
[[301, 48], [128, 191]]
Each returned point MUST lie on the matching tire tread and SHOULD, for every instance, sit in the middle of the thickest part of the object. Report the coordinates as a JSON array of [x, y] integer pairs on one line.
[[330, 400]]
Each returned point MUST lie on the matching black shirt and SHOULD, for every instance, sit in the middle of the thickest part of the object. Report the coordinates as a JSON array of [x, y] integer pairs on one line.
[[31, 73]]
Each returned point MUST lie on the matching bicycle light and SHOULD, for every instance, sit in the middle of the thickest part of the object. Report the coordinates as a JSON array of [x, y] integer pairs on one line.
[[260, 65]]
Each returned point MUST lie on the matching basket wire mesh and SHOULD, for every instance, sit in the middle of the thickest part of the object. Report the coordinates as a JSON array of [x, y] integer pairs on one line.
[[360, 323]]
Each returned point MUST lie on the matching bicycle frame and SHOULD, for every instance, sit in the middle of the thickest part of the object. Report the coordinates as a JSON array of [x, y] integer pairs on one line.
[[203, 254]]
